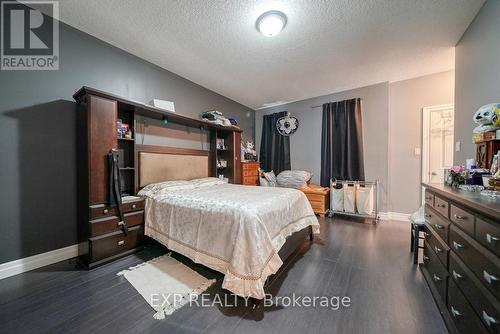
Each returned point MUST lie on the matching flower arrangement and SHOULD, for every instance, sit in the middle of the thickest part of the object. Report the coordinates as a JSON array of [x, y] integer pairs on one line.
[[457, 176]]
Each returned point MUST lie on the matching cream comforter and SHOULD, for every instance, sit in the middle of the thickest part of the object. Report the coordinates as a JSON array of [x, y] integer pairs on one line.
[[236, 230]]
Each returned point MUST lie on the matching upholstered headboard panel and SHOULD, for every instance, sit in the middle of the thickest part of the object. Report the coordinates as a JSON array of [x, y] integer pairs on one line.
[[157, 167]]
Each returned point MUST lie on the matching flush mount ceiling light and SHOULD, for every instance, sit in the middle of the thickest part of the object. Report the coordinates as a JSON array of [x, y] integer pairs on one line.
[[271, 23]]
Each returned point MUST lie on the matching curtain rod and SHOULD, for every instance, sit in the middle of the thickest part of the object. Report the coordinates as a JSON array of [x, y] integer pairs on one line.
[[320, 106]]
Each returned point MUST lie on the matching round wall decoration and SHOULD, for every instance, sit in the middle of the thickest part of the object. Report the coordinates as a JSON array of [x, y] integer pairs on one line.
[[287, 125]]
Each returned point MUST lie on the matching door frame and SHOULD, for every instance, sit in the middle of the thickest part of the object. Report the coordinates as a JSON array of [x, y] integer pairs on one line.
[[426, 115]]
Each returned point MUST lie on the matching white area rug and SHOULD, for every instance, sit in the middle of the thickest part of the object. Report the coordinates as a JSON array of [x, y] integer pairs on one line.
[[166, 284]]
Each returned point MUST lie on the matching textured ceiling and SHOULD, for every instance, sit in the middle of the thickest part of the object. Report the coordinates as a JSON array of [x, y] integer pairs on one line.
[[327, 46]]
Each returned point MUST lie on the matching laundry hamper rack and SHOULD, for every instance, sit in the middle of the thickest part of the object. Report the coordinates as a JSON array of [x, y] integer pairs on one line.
[[373, 215]]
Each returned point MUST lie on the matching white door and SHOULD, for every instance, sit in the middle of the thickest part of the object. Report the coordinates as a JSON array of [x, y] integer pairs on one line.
[[438, 142]]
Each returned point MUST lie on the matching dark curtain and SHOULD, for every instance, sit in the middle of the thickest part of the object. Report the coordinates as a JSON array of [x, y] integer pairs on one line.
[[274, 148], [342, 142]]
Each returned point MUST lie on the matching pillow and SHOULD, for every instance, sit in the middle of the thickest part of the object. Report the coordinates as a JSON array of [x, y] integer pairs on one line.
[[293, 178], [154, 188], [263, 182], [206, 182], [270, 178]]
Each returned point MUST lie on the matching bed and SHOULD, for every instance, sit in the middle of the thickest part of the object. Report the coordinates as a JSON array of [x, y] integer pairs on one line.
[[240, 231]]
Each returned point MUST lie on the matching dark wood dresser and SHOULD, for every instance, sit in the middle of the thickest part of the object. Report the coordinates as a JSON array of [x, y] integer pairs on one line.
[[250, 173], [461, 258]]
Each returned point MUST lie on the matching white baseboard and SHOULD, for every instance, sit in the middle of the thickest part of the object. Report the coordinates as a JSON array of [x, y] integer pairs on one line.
[[36, 261], [397, 216]]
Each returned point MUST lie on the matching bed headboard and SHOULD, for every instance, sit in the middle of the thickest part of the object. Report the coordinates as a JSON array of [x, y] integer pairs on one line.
[[158, 163]]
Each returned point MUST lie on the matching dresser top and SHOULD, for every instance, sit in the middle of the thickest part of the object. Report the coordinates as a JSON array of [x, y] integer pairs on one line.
[[473, 200]]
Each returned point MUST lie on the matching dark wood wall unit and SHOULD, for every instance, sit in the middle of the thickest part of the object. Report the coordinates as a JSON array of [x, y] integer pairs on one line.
[[101, 238], [485, 150], [461, 258], [231, 153]]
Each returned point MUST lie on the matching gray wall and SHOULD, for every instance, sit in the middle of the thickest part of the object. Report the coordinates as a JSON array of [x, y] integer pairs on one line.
[[477, 73], [406, 100], [305, 144], [37, 137]]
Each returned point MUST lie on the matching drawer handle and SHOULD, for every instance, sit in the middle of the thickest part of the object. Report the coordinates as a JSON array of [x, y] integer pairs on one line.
[[105, 211], [459, 217], [455, 312], [134, 206], [426, 258], [428, 215], [491, 238], [426, 235], [489, 277], [438, 226], [436, 278], [456, 275], [489, 319], [437, 249], [457, 246], [428, 198], [121, 243], [441, 205]]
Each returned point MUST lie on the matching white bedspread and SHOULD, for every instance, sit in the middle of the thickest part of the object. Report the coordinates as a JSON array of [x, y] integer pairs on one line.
[[236, 230]]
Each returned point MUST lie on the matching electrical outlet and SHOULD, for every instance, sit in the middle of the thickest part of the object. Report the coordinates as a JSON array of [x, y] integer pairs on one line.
[[417, 151], [457, 146]]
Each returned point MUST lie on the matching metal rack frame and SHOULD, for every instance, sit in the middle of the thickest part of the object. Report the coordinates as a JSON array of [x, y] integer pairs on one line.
[[375, 214]]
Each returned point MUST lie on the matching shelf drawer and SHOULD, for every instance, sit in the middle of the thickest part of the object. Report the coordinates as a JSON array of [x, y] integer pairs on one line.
[[106, 225], [438, 273], [429, 198], [463, 219], [103, 210], [441, 205], [437, 223], [462, 313], [484, 265], [488, 234], [116, 243], [483, 303]]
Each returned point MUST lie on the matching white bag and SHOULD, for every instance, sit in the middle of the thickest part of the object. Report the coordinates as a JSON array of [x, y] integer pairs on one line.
[[364, 200], [337, 198], [350, 198]]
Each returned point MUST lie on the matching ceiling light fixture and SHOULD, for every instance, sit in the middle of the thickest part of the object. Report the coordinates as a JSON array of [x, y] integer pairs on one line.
[[271, 23]]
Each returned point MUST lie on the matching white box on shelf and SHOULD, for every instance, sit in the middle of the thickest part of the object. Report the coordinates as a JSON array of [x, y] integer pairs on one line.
[[162, 104]]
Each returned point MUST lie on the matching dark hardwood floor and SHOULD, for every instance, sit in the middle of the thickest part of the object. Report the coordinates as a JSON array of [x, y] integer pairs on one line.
[[370, 264]]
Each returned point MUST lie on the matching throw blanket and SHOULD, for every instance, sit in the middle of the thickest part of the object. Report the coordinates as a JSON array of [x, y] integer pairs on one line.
[[236, 230]]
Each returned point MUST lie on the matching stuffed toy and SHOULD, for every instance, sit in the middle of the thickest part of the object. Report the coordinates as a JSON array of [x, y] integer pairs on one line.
[[488, 118]]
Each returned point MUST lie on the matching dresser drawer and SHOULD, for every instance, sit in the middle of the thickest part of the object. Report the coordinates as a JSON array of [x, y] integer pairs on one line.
[[102, 210], [483, 303], [440, 248], [461, 312], [429, 198], [482, 263], [441, 205], [105, 225], [250, 173], [463, 219], [488, 234], [437, 272], [254, 165], [116, 243], [437, 223]]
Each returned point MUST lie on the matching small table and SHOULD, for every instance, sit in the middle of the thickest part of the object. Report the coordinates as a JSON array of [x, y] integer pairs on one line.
[[319, 198]]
